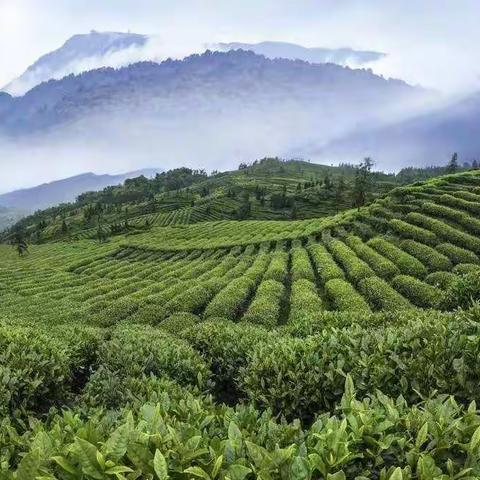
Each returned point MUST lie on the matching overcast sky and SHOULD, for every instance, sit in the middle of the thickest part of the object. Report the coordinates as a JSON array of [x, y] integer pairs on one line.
[[430, 42]]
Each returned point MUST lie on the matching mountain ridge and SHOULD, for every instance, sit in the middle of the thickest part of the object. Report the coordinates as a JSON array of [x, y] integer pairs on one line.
[[65, 189]]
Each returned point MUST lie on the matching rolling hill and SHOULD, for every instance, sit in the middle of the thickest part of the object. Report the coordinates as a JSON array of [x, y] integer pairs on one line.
[[233, 349], [269, 189]]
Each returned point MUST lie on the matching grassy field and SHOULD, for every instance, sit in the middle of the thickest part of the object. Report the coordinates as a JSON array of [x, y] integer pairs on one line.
[[327, 348]]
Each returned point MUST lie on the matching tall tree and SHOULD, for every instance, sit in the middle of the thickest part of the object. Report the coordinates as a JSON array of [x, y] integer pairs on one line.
[[363, 182], [340, 192], [452, 166]]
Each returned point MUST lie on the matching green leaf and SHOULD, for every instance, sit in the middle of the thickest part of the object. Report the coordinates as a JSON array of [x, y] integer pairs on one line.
[[116, 445], [29, 466], [64, 464], [86, 454], [300, 469], [475, 441], [234, 432], [336, 476], [238, 472], [255, 452], [118, 469], [422, 435], [198, 472], [397, 474], [217, 466], [160, 465]]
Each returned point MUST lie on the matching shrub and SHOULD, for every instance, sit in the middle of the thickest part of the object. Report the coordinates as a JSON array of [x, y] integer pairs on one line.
[[278, 268], [301, 266], [265, 307], [404, 261], [457, 254], [463, 292], [344, 297], [381, 296], [41, 368], [107, 314], [380, 265], [148, 314], [226, 347], [430, 257], [472, 207], [179, 322], [325, 265], [446, 232], [138, 350], [304, 301], [407, 230], [355, 268], [470, 224], [441, 280], [431, 352], [419, 293], [464, 268], [231, 301], [255, 441], [196, 298]]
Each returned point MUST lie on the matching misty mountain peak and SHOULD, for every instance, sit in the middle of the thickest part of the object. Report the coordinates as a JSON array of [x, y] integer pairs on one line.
[[79, 53]]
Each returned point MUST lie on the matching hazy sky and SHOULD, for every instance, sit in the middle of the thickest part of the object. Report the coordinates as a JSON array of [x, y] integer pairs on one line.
[[432, 42]]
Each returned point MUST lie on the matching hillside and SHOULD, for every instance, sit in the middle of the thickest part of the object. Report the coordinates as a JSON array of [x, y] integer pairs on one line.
[[247, 349], [64, 190], [213, 110], [269, 189]]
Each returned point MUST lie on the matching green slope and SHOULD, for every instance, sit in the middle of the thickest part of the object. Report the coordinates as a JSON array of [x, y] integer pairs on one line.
[[269, 189], [311, 319]]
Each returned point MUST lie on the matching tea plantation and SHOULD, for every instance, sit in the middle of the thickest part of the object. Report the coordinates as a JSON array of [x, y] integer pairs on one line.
[[341, 347]]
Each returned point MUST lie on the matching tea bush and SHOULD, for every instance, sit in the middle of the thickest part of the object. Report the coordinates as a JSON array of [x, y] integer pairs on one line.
[[301, 266], [405, 262], [265, 307], [355, 268], [305, 302], [407, 230], [430, 257], [457, 254], [325, 265], [380, 265], [445, 231], [419, 293], [344, 297], [441, 279], [381, 296]]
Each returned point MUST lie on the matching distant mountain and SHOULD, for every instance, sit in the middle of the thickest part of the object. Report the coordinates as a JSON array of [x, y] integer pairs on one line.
[[65, 190], [424, 140], [78, 54], [340, 56], [93, 50], [238, 92]]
